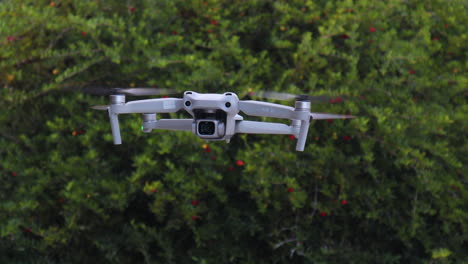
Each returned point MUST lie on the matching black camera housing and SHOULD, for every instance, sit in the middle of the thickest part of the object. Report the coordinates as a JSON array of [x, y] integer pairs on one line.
[[207, 127], [210, 124]]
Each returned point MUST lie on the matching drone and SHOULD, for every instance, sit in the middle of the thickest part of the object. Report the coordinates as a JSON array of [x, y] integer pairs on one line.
[[215, 116]]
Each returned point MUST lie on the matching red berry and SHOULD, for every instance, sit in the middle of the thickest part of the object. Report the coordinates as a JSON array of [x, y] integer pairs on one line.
[[174, 32], [323, 214], [83, 33], [290, 189], [214, 158], [11, 38], [446, 25], [411, 72], [435, 38], [208, 149], [345, 36], [240, 163], [372, 29], [330, 121], [332, 101], [371, 41], [13, 174], [195, 217], [214, 22], [346, 138], [27, 230], [131, 9], [292, 137], [338, 100], [154, 190], [230, 168], [194, 202], [343, 202]]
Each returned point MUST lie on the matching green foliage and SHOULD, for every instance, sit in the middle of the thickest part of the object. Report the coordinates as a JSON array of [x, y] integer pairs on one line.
[[387, 187]]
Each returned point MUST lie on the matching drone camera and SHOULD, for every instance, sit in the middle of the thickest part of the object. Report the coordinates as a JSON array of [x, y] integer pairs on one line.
[[209, 129], [206, 128]]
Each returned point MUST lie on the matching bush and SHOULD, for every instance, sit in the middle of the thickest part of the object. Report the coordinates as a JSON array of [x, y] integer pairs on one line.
[[387, 187]]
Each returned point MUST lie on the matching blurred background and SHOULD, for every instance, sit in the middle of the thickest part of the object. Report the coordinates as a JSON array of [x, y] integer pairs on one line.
[[386, 187]]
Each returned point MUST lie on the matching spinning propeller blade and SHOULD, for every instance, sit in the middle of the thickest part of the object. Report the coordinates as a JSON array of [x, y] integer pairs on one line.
[[100, 107], [329, 116], [287, 97], [127, 91], [303, 97]]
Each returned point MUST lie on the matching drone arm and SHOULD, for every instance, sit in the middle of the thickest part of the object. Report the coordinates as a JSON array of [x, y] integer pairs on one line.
[[254, 127], [169, 124], [163, 105], [301, 112], [257, 108]]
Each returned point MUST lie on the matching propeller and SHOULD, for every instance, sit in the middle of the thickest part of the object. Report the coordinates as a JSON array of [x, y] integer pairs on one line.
[[318, 116], [123, 91], [100, 107], [287, 97], [127, 91]]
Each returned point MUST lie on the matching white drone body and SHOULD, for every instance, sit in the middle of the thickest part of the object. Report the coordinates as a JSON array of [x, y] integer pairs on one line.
[[216, 116]]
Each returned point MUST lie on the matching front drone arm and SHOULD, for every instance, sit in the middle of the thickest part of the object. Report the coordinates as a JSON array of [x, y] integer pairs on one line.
[[255, 127], [168, 124]]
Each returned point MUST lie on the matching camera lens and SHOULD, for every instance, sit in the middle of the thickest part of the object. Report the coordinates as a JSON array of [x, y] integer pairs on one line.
[[206, 128]]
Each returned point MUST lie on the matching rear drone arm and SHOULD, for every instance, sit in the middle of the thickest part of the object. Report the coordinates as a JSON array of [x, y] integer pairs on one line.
[[118, 106], [169, 124], [258, 108], [163, 105]]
